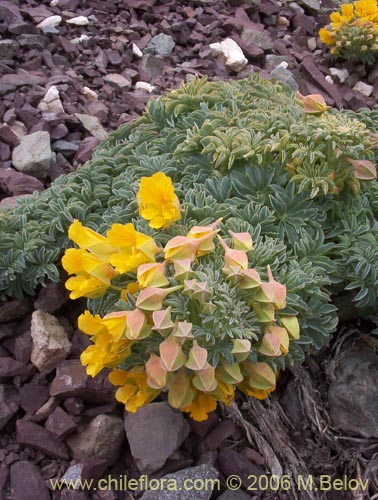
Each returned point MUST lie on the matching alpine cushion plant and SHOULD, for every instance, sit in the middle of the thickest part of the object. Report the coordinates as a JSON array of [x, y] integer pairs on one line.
[[169, 329], [353, 34]]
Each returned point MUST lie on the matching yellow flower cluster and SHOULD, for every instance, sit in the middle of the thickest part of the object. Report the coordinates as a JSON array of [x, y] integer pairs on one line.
[[173, 358], [353, 33]]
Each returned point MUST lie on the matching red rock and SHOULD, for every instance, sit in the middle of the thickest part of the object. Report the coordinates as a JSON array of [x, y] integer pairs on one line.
[[4, 474], [9, 403], [32, 397], [27, 482], [10, 367], [231, 462], [8, 136], [5, 152], [20, 346], [86, 149], [309, 67], [204, 427], [74, 406], [59, 423], [52, 297], [15, 183], [217, 435], [41, 439]]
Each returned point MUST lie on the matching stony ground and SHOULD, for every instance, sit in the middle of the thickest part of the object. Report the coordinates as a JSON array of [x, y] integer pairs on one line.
[[65, 82]]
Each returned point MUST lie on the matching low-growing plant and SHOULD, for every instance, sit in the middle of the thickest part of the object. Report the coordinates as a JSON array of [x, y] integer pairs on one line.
[[353, 33], [244, 157]]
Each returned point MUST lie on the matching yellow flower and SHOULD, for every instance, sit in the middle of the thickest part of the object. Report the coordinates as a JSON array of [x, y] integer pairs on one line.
[[89, 324], [134, 391], [135, 248], [157, 201], [93, 274], [326, 36], [201, 406], [87, 239], [348, 11], [104, 353]]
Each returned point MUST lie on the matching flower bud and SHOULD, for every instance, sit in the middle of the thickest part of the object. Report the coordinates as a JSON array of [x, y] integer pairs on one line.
[[151, 298], [137, 328], [313, 103], [281, 334], [241, 349], [183, 330], [270, 345], [242, 241], [291, 324], [228, 373], [233, 258], [156, 375], [180, 392], [152, 275], [364, 170], [205, 380], [249, 279], [205, 235], [171, 356], [182, 269], [260, 375], [181, 248], [197, 359], [264, 312], [162, 321], [201, 291]]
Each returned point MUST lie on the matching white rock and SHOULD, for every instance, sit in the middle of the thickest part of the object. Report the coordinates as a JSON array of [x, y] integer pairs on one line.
[[33, 155], [145, 86], [54, 3], [51, 102], [52, 21], [80, 39], [283, 65], [311, 42], [342, 74], [329, 79], [364, 89], [19, 129], [91, 94], [136, 50], [93, 125], [50, 342], [118, 81], [79, 21], [230, 51]]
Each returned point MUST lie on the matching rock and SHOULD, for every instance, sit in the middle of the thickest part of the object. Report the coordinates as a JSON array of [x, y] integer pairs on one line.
[[71, 380], [7, 49], [150, 68], [33, 154], [272, 61], [93, 125], [154, 432], [118, 81], [50, 22], [33, 41], [27, 483], [204, 474], [65, 147], [51, 297], [101, 439], [341, 74], [353, 395], [9, 402], [136, 50], [11, 201], [161, 44], [51, 101], [33, 396], [230, 53], [311, 42], [217, 435], [363, 88], [309, 67], [41, 439], [86, 148], [91, 94], [260, 38], [80, 39], [234, 495], [78, 21], [329, 79], [15, 183], [8, 136], [59, 423], [312, 6], [145, 86], [50, 342], [10, 367], [231, 463], [85, 471], [14, 309], [284, 75]]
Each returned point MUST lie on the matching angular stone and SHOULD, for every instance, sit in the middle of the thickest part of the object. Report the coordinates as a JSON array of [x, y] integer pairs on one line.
[[204, 474], [93, 125], [86, 149], [7, 49], [41, 439], [10, 367], [230, 53], [231, 463], [27, 483], [33, 155], [33, 41], [272, 61], [22, 78], [284, 75], [52, 297], [15, 183], [59, 423], [161, 44], [9, 402], [312, 6], [260, 38], [364, 89], [150, 68], [117, 81], [154, 432], [78, 21], [33, 396], [101, 439], [85, 471], [309, 67], [353, 395], [50, 342], [71, 380]]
